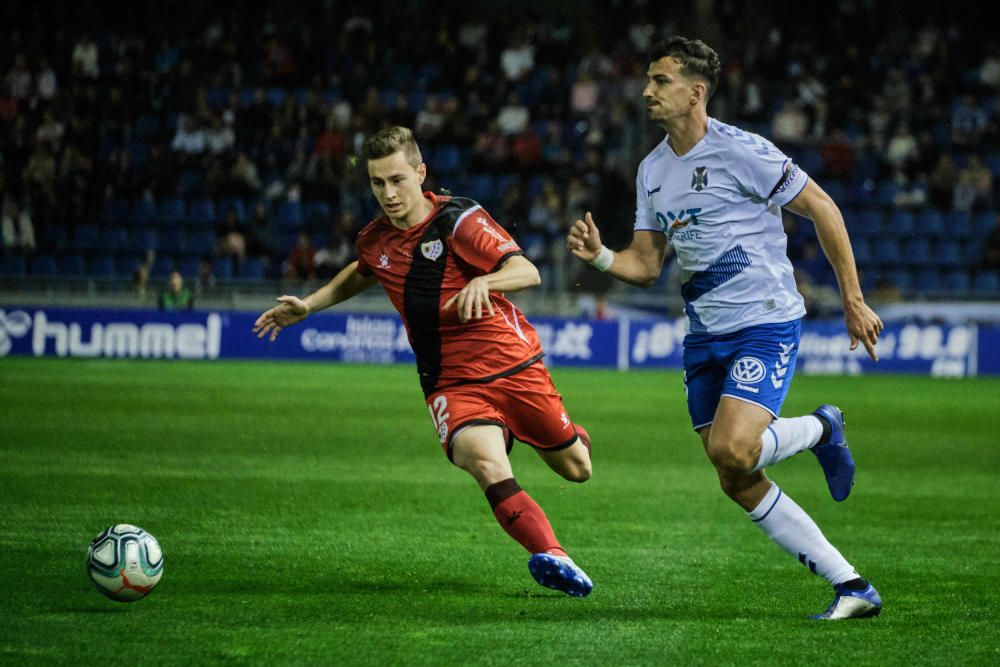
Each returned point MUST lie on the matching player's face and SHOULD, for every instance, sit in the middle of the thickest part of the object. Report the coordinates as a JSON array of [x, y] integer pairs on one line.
[[668, 93], [397, 187]]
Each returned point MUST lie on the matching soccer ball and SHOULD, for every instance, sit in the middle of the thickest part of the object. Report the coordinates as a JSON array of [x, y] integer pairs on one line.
[[124, 562]]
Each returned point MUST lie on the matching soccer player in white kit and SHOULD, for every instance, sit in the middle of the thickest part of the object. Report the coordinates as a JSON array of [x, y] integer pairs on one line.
[[715, 193]]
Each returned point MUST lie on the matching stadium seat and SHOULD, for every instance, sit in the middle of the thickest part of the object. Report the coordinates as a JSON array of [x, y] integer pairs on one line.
[[43, 265], [917, 252], [238, 206], [141, 240], [885, 193], [201, 242], [479, 187], [113, 239], [13, 265], [870, 221], [170, 211], [85, 238], [901, 278], [201, 213], [317, 213], [190, 182], [987, 283], [162, 266], [887, 253], [899, 224], [446, 160], [71, 265], [862, 251], [290, 214], [956, 280], [172, 242], [927, 280], [949, 253], [116, 211], [959, 224], [252, 269], [189, 266], [143, 212], [930, 222], [103, 266], [983, 223], [222, 268]]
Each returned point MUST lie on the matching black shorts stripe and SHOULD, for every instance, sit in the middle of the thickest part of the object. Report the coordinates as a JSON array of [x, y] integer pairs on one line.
[[489, 378]]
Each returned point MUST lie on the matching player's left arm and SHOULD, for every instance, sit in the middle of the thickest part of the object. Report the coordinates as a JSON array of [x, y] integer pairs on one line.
[[863, 324], [516, 273]]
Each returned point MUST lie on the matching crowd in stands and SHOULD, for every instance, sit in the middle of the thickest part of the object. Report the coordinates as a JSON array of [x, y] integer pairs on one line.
[[224, 144]]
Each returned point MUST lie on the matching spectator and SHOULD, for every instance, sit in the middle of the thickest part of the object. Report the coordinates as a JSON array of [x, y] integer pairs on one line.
[[175, 296], [790, 124], [230, 241], [967, 123], [942, 182], [991, 248], [85, 58], [18, 79], [18, 232], [301, 262], [513, 117], [189, 140]]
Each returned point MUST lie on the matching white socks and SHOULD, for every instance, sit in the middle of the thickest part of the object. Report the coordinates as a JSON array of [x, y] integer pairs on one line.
[[785, 437], [791, 528]]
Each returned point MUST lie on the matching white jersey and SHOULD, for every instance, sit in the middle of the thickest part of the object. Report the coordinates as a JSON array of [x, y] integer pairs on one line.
[[719, 205]]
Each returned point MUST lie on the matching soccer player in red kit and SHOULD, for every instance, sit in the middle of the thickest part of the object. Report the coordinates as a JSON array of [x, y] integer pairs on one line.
[[445, 263]]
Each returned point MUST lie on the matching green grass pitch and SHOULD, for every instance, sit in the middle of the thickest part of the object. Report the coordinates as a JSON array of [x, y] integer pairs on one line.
[[307, 515]]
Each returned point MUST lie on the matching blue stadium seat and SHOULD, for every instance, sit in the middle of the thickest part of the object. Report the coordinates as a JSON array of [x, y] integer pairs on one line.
[[983, 223], [143, 212], [162, 266], [900, 224], [949, 253], [201, 242], [479, 187], [446, 160], [170, 211], [885, 193], [317, 213], [870, 220], [113, 239], [222, 268], [43, 265], [116, 211], [190, 266], [901, 278], [71, 265], [987, 282], [956, 280], [141, 240], [201, 213], [252, 269], [862, 251], [13, 265], [887, 252], [238, 206], [103, 266], [290, 214], [276, 96], [930, 222], [85, 238], [917, 252], [190, 182], [147, 125], [927, 280], [172, 242], [959, 224]]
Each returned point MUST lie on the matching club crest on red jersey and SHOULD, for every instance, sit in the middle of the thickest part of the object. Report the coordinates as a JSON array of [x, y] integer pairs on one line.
[[432, 249]]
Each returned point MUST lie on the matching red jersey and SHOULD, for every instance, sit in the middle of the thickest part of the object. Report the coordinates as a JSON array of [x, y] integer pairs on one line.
[[422, 267]]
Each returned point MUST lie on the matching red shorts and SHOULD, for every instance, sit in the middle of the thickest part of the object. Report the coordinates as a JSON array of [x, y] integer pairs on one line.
[[525, 404]]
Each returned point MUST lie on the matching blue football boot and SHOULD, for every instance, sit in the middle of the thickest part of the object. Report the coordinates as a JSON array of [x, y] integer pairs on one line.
[[560, 573], [834, 456], [852, 604]]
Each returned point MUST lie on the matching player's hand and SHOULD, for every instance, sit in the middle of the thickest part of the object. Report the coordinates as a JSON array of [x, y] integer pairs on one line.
[[864, 326], [290, 309], [473, 300], [584, 240]]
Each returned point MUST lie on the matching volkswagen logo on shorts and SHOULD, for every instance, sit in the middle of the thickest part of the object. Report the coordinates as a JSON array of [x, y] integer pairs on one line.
[[748, 370]]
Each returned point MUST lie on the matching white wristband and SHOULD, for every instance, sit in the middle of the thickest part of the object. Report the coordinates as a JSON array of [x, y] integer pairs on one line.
[[604, 259]]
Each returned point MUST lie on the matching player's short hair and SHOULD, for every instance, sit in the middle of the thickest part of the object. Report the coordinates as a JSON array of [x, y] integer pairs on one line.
[[697, 59], [392, 140]]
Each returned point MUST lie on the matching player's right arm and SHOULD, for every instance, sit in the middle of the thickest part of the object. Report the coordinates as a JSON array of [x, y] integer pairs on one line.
[[291, 309], [638, 264]]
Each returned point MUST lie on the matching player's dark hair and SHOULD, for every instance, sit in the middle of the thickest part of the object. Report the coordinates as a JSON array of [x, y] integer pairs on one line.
[[392, 140], [697, 59]]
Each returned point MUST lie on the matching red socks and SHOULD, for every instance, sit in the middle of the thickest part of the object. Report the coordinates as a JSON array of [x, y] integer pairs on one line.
[[522, 518]]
